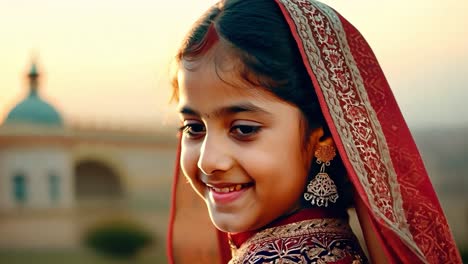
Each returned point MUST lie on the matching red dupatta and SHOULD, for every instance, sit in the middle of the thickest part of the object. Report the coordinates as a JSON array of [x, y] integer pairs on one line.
[[373, 140]]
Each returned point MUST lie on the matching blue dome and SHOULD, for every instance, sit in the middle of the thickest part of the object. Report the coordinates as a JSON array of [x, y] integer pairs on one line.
[[34, 110]]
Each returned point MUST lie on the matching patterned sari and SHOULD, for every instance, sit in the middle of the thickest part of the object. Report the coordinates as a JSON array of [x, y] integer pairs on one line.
[[372, 138]]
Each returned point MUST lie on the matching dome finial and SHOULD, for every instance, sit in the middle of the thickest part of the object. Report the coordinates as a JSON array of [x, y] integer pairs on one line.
[[33, 76]]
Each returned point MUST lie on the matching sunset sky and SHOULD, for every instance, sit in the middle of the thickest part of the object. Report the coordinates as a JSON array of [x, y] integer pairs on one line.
[[108, 61]]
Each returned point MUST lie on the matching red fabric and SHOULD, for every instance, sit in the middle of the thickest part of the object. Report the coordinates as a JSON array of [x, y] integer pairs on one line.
[[397, 135], [416, 188], [169, 245], [426, 221], [223, 244]]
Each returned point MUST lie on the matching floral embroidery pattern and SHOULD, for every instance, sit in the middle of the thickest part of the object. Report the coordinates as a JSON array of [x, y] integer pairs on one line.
[[319, 241]]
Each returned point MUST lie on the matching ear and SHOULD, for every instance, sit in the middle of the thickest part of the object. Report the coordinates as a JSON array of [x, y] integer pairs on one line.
[[326, 141], [318, 138]]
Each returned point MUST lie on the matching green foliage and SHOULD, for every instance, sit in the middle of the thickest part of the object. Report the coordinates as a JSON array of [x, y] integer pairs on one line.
[[118, 238], [464, 254]]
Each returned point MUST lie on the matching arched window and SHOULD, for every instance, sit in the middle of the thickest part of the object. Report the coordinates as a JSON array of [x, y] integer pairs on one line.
[[20, 189], [54, 187], [97, 185]]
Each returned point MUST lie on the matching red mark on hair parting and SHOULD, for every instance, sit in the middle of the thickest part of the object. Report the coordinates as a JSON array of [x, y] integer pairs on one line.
[[210, 38]]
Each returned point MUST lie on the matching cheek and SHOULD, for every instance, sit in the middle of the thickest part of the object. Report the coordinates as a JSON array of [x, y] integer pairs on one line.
[[284, 161], [188, 160]]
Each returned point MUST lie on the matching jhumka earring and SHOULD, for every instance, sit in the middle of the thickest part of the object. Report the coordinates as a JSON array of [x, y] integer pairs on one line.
[[322, 189]]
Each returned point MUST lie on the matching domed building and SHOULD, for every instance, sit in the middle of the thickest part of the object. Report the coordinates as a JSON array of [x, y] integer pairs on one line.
[[57, 178], [33, 109], [36, 161]]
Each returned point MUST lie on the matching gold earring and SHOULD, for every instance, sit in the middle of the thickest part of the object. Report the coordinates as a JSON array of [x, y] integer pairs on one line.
[[322, 189]]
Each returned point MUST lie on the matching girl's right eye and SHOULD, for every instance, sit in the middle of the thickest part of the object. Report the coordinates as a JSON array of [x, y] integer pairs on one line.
[[193, 130]]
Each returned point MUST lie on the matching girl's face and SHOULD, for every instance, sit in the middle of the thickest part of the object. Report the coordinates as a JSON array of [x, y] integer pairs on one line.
[[242, 148]]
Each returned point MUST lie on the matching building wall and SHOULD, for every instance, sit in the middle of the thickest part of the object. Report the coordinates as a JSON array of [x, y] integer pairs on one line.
[[145, 171], [37, 164], [144, 168]]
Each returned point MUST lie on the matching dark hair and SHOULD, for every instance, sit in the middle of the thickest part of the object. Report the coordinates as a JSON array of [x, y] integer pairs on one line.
[[257, 33]]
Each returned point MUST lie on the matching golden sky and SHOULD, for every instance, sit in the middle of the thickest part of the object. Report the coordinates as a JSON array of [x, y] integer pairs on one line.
[[108, 60]]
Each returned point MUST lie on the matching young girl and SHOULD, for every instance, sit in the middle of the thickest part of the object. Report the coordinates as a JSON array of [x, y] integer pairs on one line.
[[288, 121]]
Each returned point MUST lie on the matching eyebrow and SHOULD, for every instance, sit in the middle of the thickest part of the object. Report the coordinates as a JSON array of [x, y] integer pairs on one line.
[[226, 110]]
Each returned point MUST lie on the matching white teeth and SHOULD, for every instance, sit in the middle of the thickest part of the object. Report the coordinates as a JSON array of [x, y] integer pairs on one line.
[[237, 187]]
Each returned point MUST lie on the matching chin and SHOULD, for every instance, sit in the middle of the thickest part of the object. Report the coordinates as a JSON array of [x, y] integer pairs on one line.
[[228, 225], [228, 228], [222, 225]]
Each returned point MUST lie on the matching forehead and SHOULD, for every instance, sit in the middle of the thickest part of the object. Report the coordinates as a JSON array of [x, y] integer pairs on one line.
[[217, 77]]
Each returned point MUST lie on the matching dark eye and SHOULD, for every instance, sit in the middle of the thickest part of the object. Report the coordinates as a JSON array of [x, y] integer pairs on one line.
[[244, 131], [193, 130]]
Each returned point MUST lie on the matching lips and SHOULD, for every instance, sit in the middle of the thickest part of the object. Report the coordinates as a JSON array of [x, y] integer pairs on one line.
[[227, 188], [226, 193]]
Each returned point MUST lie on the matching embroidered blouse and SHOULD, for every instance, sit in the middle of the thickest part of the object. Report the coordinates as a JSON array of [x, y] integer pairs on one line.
[[310, 236]]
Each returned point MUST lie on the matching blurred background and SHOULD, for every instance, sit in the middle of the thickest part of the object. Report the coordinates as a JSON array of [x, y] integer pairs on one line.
[[87, 133]]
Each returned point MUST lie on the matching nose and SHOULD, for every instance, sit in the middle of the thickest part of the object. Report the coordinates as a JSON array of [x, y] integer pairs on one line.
[[214, 155]]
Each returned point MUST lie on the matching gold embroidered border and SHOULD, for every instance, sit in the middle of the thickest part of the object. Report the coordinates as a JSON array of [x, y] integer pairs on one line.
[[402, 227], [349, 105], [298, 229]]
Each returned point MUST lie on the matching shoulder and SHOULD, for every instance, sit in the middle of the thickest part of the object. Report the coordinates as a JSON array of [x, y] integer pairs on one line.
[[311, 241]]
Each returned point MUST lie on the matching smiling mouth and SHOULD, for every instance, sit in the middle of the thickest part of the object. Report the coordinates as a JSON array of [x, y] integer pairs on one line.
[[231, 188]]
